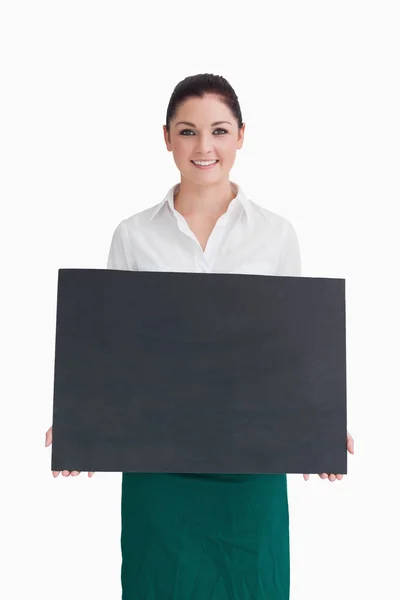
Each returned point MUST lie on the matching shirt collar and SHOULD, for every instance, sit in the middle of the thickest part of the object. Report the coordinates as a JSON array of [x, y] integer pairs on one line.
[[240, 198]]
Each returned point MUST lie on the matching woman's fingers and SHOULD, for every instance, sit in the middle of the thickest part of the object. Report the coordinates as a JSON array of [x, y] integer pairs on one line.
[[48, 441], [49, 437], [350, 443], [73, 473], [332, 477]]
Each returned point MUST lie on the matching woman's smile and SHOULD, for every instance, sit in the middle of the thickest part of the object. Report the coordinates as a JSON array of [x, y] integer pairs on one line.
[[204, 164]]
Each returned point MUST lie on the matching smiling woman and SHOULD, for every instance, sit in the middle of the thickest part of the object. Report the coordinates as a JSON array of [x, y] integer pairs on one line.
[[214, 537]]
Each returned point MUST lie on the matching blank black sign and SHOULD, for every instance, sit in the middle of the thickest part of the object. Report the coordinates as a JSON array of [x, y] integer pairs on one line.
[[199, 373]]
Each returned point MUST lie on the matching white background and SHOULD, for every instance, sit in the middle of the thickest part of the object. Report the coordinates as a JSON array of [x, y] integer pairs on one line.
[[84, 92]]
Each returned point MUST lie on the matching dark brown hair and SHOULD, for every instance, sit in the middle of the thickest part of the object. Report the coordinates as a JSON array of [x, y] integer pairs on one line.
[[198, 86]]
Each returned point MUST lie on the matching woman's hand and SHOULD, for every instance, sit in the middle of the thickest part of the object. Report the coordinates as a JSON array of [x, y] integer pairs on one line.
[[350, 448], [49, 439]]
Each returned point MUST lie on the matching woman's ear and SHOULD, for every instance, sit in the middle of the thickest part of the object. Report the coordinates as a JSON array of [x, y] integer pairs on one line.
[[241, 136], [167, 139]]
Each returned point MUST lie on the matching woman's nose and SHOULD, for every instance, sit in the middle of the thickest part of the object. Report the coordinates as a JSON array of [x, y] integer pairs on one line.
[[205, 143]]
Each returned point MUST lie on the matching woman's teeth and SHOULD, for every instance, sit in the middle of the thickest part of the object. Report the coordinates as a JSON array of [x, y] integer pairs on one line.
[[204, 164]]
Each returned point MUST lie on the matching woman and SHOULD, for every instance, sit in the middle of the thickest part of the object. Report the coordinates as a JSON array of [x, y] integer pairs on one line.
[[205, 537]]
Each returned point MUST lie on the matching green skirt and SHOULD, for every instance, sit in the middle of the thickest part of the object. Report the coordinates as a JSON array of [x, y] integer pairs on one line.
[[204, 537]]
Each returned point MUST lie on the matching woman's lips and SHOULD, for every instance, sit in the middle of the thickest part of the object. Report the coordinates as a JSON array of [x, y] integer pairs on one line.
[[205, 168]]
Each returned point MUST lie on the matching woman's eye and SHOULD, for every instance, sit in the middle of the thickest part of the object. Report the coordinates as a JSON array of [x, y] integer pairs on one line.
[[184, 131]]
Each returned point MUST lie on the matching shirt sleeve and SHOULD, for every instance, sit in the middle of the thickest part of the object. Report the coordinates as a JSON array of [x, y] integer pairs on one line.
[[120, 256], [290, 259]]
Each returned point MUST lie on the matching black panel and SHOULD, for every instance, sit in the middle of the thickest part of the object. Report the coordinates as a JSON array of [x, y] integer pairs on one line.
[[199, 373]]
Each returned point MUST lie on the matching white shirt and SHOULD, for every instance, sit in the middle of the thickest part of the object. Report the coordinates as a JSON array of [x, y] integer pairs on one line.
[[246, 239]]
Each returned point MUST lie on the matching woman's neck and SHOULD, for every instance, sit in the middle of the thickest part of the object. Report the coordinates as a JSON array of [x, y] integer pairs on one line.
[[203, 200]]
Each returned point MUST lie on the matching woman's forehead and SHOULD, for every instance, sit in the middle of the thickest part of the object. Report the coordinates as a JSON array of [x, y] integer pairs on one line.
[[209, 108]]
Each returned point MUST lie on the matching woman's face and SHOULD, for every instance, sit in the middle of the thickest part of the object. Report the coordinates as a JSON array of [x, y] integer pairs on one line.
[[204, 129]]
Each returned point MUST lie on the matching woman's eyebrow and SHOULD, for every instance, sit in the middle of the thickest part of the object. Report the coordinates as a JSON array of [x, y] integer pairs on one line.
[[193, 125]]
